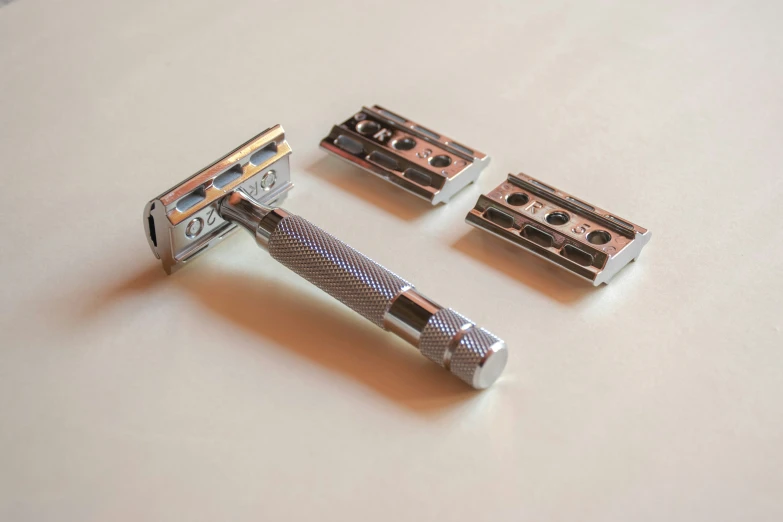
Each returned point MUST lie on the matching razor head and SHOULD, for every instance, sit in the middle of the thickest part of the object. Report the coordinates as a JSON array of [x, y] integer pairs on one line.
[[580, 237], [416, 159], [183, 222]]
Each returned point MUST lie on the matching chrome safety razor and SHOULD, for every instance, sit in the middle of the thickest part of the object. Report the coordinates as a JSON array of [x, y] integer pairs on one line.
[[241, 190]]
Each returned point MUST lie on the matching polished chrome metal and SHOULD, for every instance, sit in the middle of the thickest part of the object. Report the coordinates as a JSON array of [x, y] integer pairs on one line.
[[442, 335], [586, 240], [194, 228], [447, 338], [423, 162], [408, 314], [268, 179], [269, 225], [171, 220], [238, 207]]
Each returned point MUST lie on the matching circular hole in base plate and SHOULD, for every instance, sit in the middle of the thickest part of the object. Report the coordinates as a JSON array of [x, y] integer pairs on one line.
[[367, 127], [599, 237], [557, 218], [440, 161], [517, 199], [404, 144]]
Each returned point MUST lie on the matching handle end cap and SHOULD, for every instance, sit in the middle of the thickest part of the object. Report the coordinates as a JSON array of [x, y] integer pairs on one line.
[[491, 366]]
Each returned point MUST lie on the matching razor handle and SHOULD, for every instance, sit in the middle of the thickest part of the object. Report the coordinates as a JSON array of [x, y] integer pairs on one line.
[[442, 335]]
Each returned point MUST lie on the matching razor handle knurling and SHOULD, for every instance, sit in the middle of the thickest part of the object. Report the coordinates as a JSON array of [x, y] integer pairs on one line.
[[444, 336]]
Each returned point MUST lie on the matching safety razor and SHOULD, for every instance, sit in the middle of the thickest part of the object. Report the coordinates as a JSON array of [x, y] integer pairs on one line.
[[243, 189]]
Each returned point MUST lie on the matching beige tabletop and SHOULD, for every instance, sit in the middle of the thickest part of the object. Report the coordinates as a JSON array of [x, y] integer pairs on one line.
[[233, 390]]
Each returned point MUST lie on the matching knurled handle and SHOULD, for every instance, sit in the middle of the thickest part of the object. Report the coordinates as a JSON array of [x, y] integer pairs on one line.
[[444, 336], [453, 341], [339, 270]]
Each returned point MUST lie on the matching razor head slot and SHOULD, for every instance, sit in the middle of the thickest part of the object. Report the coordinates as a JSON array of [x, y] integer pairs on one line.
[[415, 158], [183, 222], [587, 241]]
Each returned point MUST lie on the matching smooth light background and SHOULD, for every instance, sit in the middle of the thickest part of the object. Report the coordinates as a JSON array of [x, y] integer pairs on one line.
[[234, 391]]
